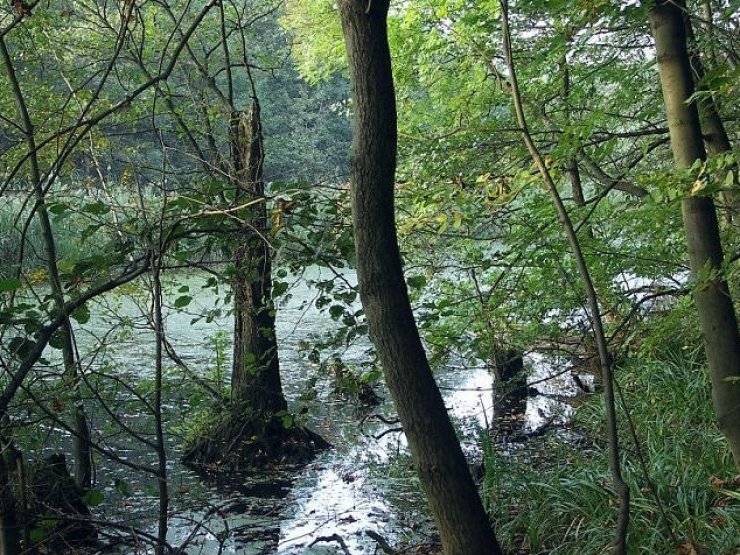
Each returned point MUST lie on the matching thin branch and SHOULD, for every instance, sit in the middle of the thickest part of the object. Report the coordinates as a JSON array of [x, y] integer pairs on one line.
[[44, 334], [605, 359]]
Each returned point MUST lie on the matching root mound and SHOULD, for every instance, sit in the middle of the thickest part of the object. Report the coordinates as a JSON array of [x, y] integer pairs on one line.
[[236, 442], [60, 517]]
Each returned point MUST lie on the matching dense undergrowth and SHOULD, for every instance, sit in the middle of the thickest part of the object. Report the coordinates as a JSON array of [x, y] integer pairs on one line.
[[565, 505]]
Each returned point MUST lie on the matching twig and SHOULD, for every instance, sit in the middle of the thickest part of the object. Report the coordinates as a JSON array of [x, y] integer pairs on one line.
[[384, 546], [485, 415], [388, 431], [537, 432], [382, 419]]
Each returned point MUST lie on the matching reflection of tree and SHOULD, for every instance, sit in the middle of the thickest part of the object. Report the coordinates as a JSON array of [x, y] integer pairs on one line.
[[509, 392], [260, 503]]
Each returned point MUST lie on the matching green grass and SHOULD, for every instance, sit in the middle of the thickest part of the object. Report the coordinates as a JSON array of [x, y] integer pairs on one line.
[[565, 505]]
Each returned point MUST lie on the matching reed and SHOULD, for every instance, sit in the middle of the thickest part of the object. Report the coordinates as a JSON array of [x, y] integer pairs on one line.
[[13, 240]]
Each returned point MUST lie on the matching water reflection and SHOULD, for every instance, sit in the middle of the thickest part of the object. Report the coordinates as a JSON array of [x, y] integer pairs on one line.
[[345, 491]]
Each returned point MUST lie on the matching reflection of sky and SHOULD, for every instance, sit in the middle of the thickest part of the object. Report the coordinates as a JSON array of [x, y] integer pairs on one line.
[[339, 498], [468, 395], [554, 378], [338, 502]]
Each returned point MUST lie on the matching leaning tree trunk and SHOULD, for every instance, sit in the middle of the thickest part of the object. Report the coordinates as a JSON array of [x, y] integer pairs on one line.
[[463, 524], [255, 378], [712, 297]]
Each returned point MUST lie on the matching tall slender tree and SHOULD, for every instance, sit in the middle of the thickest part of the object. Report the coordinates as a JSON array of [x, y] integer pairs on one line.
[[82, 450], [606, 362], [711, 293], [462, 521]]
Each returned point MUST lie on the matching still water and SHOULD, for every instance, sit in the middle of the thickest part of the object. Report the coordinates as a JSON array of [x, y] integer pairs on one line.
[[363, 484]]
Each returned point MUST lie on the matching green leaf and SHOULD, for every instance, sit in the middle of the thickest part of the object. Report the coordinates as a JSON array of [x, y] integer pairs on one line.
[[43, 529], [10, 285], [444, 223], [279, 287], [96, 208], [730, 493], [249, 359], [57, 208], [81, 315], [122, 487], [335, 311], [20, 346], [31, 327], [93, 498], [57, 340], [183, 301], [288, 420], [416, 282], [729, 180]]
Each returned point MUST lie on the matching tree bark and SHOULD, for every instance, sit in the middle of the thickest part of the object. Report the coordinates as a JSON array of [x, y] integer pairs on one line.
[[713, 129], [158, 324], [255, 378], [463, 524], [10, 530], [712, 296], [571, 165]]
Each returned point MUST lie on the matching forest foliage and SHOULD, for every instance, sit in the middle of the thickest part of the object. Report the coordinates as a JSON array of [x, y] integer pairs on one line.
[[117, 149]]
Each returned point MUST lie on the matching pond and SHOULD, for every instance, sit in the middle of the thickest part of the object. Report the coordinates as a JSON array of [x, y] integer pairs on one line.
[[363, 484]]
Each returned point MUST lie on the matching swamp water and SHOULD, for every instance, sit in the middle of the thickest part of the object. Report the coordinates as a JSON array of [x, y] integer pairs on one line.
[[363, 484]]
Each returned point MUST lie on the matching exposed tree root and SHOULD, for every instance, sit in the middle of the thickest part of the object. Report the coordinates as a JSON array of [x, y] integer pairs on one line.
[[237, 442]]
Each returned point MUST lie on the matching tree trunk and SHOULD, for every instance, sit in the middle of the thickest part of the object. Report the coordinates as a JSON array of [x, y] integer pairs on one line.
[[463, 524], [163, 486], [571, 166], [712, 128], [255, 378], [10, 532], [82, 447], [712, 297]]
